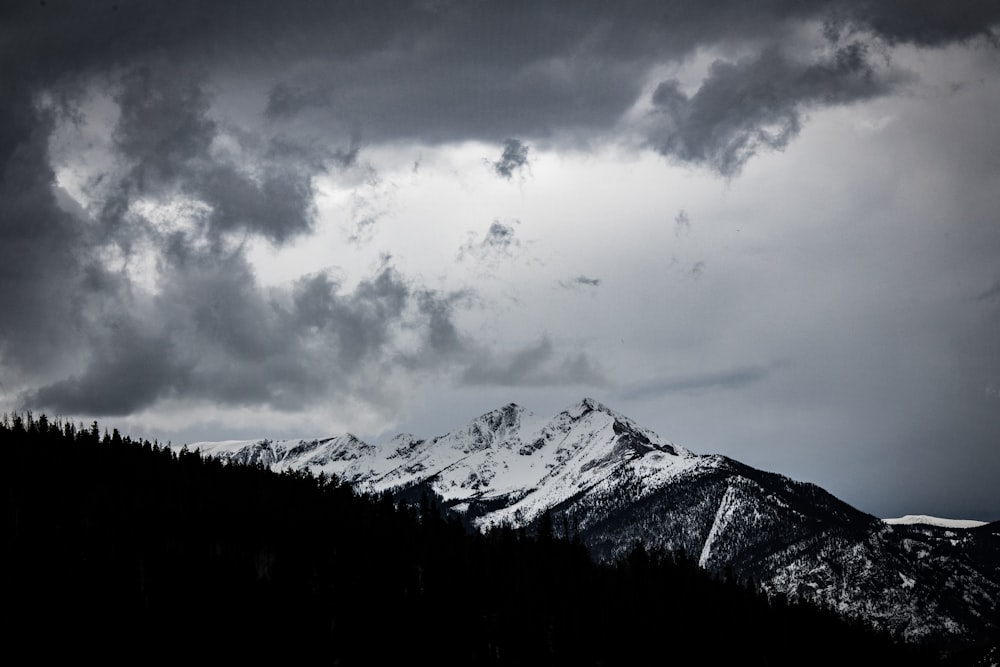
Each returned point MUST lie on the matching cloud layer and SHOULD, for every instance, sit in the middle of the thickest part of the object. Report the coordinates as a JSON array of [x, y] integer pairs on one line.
[[151, 153]]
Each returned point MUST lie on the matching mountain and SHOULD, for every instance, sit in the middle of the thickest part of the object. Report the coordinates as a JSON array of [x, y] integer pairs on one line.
[[599, 475], [113, 546]]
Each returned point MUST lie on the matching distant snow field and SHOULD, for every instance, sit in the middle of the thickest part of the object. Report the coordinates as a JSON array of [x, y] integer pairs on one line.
[[936, 521]]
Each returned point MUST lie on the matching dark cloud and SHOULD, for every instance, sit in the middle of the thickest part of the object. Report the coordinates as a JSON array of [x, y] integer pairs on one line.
[[165, 134], [43, 249], [487, 70], [443, 339], [734, 378], [499, 242], [756, 103], [513, 159], [362, 321], [289, 350], [925, 22], [213, 334], [500, 237], [163, 123], [533, 366], [129, 370]]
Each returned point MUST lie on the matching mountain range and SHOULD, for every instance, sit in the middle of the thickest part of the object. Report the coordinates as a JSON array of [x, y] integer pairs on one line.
[[598, 476]]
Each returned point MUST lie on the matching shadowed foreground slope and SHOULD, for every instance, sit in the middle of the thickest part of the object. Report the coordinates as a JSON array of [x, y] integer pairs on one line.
[[119, 548]]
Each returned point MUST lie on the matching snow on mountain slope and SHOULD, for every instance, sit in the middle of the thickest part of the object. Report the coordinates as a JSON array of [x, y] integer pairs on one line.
[[615, 483], [574, 452], [508, 457], [345, 454], [919, 581], [797, 540], [923, 519]]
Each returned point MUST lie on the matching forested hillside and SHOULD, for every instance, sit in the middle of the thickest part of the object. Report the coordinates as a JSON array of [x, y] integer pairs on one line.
[[113, 546]]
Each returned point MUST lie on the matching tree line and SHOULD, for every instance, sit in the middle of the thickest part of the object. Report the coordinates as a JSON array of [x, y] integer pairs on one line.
[[126, 548]]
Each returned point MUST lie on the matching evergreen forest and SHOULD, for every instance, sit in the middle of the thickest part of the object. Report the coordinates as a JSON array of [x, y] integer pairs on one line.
[[122, 549]]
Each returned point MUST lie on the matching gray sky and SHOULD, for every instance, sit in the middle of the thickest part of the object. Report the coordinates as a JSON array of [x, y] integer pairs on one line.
[[768, 229]]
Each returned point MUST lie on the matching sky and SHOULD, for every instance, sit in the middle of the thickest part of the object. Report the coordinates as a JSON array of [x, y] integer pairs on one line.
[[769, 229]]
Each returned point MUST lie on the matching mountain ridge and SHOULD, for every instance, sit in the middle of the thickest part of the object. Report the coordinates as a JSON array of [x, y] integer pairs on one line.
[[601, 476]]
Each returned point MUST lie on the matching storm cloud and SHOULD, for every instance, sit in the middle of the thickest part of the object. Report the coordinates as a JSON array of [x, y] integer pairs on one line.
[[165, 134], [514, 159], [40, 260], [757, 102], [212, 333], [198, 203]]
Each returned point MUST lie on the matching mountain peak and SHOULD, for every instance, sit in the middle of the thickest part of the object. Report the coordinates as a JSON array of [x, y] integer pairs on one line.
[[507, 415], [508, 409], [587, 405]]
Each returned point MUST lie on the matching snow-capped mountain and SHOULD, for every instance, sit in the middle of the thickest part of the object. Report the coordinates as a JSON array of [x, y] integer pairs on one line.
[[602, 476], [507, 465]]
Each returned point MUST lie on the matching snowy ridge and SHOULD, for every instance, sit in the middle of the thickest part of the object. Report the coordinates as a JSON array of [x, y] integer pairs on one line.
[[504, 454], [923, 519]]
